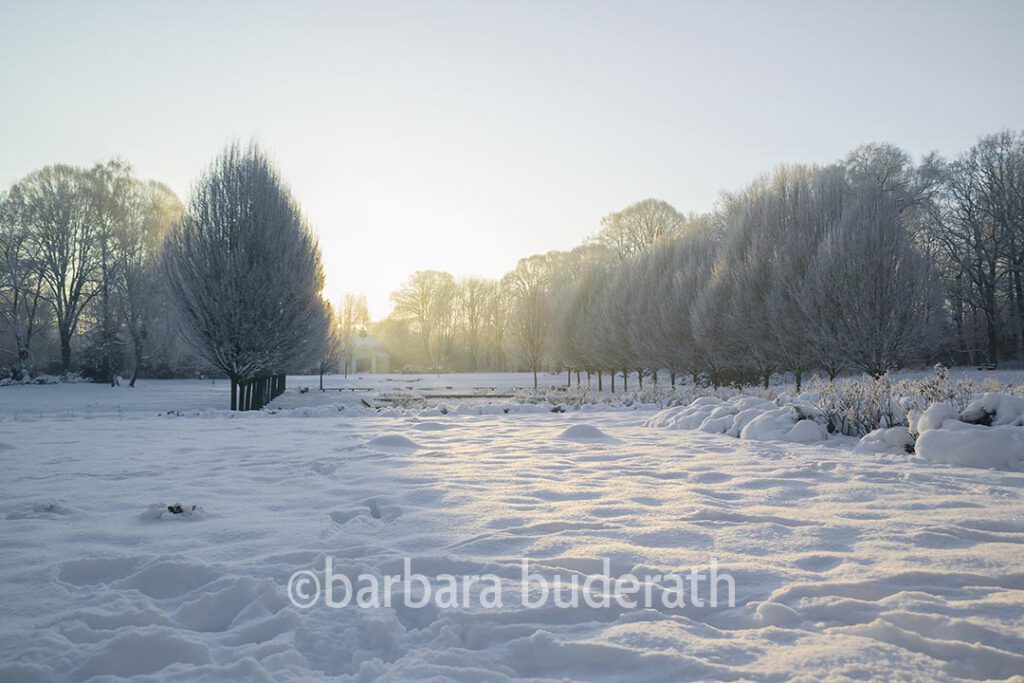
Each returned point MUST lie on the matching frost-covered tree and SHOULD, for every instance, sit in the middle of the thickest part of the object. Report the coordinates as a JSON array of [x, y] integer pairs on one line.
[[977, 229], [57, 208], [530, 311], [428, 299], [633, 230], [889, 300], [332, 353], [472, 303], [151, 209], [351, 318], [244, 270], [23, 308]]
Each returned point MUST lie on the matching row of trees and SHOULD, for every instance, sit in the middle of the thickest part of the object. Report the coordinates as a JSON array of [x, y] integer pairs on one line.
[[78, 253], [118, 270], [868, 264]]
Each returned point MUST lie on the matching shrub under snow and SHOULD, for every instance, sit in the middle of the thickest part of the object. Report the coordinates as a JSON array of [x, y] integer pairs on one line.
[[892, 440], [747, 417], [987, 433]]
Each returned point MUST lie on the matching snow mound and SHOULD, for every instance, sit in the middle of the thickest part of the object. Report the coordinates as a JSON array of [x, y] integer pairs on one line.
[[892, 440], [959, 443], [747, 417], [996, 410], [585, 432], [988, 433], [393, 442], [933, 417], [797, 422], [431, 426]]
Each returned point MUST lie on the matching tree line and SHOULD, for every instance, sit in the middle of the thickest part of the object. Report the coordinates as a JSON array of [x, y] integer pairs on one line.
[[867, 264], [120, 276], [78, 271]]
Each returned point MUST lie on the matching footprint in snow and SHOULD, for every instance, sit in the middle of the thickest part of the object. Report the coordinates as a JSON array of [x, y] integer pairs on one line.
[[50, 508]]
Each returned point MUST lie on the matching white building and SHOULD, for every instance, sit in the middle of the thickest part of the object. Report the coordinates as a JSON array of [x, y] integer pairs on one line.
[[368, 355]]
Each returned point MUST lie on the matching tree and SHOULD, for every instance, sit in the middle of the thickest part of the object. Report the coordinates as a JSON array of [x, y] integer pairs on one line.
[[428, 299], [333, 352], [353, 316], [473, 293], [244, 271], [530, 311], [151, 209], [631, 231], [57, 208], [22, 306], [890, 301]]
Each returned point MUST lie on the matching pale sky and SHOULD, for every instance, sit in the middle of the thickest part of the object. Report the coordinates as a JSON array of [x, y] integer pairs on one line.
[[462, 136]]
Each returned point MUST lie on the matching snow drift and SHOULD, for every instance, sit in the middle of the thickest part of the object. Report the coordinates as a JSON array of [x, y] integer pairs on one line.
[[747, 417], [987, 433]]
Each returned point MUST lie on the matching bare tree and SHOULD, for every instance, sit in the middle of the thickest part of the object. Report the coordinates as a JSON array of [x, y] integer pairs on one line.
[[472, 306], [530, 310], [428, 298], [633, 230], [353, 317], [333, 352], [22, 306], [56, 205], [968, 233], [151, 209], [245, 272]]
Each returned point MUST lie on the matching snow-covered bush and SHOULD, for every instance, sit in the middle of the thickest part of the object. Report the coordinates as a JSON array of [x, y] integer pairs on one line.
[[857, 407], [66, 378], [988, 432], [918, 394], [892, 440], [660, 395], [746, 417]]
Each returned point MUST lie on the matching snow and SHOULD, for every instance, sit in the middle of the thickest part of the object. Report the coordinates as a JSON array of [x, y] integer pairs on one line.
[[996, 410], [987, 433], [896, 440], [746, 417], [584, 433], [847, 564], [960, 443], [934, 417]]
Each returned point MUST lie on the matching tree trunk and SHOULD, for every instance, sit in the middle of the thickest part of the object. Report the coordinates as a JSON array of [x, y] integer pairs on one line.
[[613, 381], [1018, 293], [535, 380], [672, 378], [799, 372], [65, 351], [234, 393], [600, 380], [625, 381], [993, 339], [640, 378]]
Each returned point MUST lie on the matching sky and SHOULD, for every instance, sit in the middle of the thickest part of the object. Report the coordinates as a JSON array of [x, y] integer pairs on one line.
[[463, 136]]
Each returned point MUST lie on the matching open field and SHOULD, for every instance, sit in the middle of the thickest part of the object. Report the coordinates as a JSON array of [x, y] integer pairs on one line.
[[845, 564]]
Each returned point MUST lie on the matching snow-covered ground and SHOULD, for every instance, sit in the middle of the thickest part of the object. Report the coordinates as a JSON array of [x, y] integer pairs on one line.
[[846, 564]]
